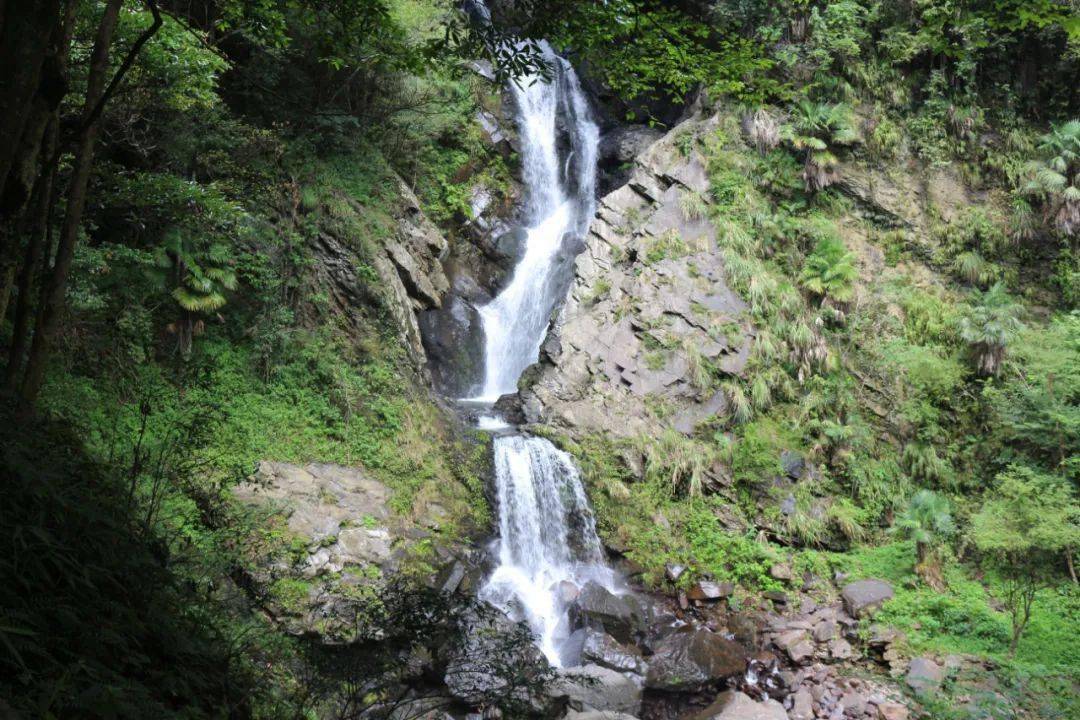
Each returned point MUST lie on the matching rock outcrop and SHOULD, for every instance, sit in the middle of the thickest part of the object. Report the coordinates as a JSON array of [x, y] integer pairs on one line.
[[924, 675], [865, 596], [340, 535], [597, 647], [591, 687], [410, 269], [621, 616], [734, 705], [649, 314], [691, 659]]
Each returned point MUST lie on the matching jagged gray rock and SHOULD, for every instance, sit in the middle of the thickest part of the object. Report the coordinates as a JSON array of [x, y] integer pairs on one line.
[[486, 663], [733, 705], [648, 308], [924, 675], [621, 616], [598, 688], [410, 270], [599, 648], [597, 715]]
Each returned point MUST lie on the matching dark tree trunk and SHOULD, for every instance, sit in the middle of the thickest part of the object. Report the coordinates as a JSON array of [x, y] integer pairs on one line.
[[36, 239], [922, 552], [27, 34], [51, 89], [53, 296], [97, 95], [7, 282], [25, 123]]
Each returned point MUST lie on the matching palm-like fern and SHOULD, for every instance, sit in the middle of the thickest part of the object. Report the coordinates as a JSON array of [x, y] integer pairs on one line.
[[685, 463], [974, 268], [1055, 177], [814, 129], [829, 271], [199, 275], [989, 327], [928, 521], [762, 129]]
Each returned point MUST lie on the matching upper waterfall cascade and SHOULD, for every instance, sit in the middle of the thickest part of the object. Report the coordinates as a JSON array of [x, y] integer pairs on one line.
[[558, 205], [547, 535]]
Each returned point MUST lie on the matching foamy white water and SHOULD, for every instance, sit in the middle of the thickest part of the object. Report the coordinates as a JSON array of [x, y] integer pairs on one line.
[[558, 204], [547, 534], [547, 537]]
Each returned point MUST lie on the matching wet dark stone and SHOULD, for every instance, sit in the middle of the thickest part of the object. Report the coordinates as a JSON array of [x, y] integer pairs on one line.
[[691, 659], [621, 616]]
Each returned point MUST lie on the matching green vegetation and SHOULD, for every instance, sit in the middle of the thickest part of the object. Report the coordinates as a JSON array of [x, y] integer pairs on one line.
[[928, 522], [196, 201], [1031, 520]]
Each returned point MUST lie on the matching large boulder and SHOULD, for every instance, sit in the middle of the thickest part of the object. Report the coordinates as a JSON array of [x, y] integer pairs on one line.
[[863, 597], [453, 336], [596, 715], [339, 515], [924, 675], [734, 705], [692, 659], [493, 659], [621, 616], [593, 646], [338, 536], [598, 688], [796, 643]]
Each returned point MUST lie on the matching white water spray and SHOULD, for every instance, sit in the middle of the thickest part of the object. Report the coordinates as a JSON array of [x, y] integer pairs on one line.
[[547, 546], [515, 321]]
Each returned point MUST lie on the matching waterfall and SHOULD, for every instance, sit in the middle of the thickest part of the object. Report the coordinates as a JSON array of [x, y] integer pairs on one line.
[[558, 205], [547, 545]]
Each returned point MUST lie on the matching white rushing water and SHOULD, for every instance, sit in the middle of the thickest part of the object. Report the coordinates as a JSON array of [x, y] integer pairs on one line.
[[547, 538], [558, 202], [547, 545]]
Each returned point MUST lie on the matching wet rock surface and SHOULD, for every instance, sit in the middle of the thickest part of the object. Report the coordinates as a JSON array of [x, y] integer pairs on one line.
[[692, 659], [480, 669], [593, 646], [591, 687], [623, 617]]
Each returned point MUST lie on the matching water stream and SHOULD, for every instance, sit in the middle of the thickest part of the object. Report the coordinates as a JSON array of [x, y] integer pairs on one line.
[[558, 206], [547, 545]]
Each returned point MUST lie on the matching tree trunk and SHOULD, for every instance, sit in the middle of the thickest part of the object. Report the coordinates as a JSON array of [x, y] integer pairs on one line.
[[36, 239], [24, 44], [51, 88], [7, 282], [48, 313]]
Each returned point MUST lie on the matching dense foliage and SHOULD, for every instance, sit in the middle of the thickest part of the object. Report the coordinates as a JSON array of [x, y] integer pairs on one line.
[[170, 171]]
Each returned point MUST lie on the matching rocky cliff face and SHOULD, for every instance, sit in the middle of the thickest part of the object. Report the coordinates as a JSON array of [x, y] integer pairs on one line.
[[408, 263], [649, 310], [411, 269], [343, 535], [483, 248]]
